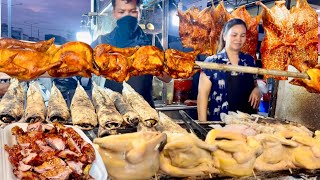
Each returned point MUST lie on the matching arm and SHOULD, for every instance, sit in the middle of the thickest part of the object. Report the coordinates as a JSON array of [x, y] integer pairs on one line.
[[203, 95]]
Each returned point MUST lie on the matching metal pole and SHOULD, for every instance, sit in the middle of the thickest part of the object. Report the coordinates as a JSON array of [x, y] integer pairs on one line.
[[31, 31], [165, 23], [9, 18]]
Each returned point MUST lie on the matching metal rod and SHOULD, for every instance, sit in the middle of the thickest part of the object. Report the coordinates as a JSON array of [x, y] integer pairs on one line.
[[251, 70], [9, 18]]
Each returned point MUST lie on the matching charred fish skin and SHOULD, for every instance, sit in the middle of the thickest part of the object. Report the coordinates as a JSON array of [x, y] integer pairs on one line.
[[149, 116], [57, 107], [130, 116], [36, 109], [82, 111], [108, 116], [12, 103]]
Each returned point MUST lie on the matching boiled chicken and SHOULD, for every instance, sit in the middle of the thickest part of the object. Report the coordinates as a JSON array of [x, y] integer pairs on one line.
[[236, 153], [131, 156]]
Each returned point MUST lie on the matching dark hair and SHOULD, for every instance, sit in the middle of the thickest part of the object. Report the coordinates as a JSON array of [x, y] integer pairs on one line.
[[227, 26], [113, 2]]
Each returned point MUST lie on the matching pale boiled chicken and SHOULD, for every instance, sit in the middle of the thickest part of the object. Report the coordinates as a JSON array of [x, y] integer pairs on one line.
[[236, 153], [184, 155], [131, 156], [250, 46], [307, 154], [275, 156]]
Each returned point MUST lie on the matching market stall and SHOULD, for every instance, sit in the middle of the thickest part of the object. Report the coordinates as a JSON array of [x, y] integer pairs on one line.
[[120, 136]]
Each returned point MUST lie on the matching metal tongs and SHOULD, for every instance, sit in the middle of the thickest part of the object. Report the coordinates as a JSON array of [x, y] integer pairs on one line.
[[193, 125]]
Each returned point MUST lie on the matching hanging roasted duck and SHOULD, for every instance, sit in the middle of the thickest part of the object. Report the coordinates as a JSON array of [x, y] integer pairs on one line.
[[290, 37]]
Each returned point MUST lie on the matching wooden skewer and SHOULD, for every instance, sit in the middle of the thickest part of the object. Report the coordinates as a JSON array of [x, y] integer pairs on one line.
[[251, 70]]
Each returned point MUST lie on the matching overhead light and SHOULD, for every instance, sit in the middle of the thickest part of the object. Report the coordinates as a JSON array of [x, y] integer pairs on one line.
[[175, 20], [318, 10], [84, 36], [229, 9]]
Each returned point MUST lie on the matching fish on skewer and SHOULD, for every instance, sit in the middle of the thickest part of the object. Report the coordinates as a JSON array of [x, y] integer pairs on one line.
[[36, 109], [11, 105], [129, 115], [149, 116], [57, 107], [82, 111], [108, 116]]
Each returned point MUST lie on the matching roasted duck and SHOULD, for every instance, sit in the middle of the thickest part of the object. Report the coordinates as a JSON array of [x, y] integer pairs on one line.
[[113, 62], [129, 115], [250, 46], [47, 152], [57, 107], [194, 29], [219, 16], [131, 156], [290, 36], [12, 103], [179, 64], [77, 60], [149, 116], [108, 116], [82, 111], [35, 109]]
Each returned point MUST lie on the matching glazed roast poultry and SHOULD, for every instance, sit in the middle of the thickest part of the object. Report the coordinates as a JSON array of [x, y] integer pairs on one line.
[[25, 60], [290, 37], [76, 58]]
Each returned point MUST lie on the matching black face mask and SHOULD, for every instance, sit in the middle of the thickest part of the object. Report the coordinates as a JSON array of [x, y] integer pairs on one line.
[[128, 24]]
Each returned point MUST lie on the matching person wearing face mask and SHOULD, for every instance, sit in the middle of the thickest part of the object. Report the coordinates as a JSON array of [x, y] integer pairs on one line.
[[128, 33], [220, 91]]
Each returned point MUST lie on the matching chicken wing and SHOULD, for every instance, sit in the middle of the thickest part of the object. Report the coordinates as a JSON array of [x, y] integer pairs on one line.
[[76, 58]]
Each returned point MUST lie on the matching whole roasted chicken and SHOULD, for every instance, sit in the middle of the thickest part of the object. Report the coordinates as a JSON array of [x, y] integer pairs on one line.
[[25, 60], [113, 62], [76, 58]]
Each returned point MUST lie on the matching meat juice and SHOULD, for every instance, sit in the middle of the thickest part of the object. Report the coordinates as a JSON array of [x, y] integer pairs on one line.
[[182, 89]]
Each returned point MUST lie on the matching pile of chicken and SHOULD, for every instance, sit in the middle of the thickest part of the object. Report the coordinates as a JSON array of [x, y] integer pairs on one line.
[[50, 152], [26, 61], [201, 30], [240, 149]]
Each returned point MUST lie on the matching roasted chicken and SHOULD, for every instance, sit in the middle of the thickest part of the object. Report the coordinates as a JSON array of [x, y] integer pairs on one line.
[[76, 58], [290, 37], [146, 60], [113, 62], [179, 64], [41, 46]]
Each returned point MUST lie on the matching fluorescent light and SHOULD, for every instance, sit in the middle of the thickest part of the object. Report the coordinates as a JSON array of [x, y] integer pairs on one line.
[[175, 20], [229, 9], [84, 36]]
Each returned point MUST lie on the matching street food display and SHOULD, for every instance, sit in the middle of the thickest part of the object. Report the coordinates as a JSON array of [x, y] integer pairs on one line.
[[201, 30]]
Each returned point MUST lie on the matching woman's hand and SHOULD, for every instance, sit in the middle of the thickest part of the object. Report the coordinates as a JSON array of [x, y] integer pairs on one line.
[[255, 98]]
